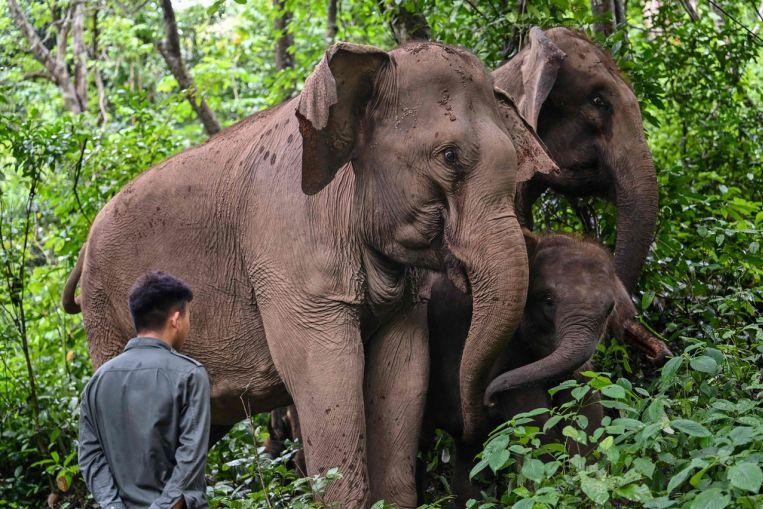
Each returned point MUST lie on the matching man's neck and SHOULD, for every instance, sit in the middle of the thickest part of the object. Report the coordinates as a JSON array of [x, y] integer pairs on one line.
[[156, 335]]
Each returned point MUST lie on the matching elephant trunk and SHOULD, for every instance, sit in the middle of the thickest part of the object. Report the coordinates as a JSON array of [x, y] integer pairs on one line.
[[576, 345], [636, 199], [496, 267]]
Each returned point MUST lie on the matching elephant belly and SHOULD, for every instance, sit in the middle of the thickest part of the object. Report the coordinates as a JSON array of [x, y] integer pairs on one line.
[[227, 334]]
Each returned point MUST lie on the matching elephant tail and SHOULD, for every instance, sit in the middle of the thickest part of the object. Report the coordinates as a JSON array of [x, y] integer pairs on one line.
[[71, 303]]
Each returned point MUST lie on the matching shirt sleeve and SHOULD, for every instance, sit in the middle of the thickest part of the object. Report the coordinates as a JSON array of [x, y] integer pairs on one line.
[[92, 461], [191, 454]]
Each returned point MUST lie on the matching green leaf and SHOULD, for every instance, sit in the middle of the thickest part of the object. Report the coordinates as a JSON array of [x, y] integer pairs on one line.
[[671, 368], [678, 479], [634, 492], [691, 428], [715, 354], [594, 489], [644, 466], [696, 478], [479, 467], [579, 392], [713, 498], [551, 422], [659, 503], [646, 299], [746, 476], [497, 459], [704, 363], [574, 434], [533, 469], [613, 391], [526, 503], [742, 435]]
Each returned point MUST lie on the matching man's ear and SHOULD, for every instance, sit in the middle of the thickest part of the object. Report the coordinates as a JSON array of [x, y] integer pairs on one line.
[[540, 62], [532, 154], [175, 318], [330, 109]]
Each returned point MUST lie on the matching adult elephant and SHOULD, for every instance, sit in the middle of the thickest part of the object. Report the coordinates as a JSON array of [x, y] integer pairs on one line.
[[303, 231], [572, 93], [574, 299]]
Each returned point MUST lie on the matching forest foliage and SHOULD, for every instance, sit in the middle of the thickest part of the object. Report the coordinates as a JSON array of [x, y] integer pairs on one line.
[[688, 435]]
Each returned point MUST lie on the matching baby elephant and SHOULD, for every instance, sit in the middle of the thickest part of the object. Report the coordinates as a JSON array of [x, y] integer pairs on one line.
[[574, 298]]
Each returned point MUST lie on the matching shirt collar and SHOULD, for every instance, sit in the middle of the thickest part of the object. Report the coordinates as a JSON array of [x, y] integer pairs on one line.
[[145, 342]]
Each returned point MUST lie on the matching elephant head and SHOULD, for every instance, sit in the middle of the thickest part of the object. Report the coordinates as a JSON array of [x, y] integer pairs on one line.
[[574, 298], [572, 93], [435, 151]]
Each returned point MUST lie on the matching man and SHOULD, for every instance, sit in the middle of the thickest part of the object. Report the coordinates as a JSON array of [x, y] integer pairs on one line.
[[144, 420]]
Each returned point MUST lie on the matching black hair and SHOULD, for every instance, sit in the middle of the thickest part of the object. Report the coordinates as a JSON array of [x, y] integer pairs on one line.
[[154, 296]]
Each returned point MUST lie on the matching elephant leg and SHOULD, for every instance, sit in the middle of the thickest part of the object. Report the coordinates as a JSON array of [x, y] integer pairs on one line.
[[217, 432], [463, 488], [321, 365], [397, 375], [296, 434], [278, 432], [426, 444]]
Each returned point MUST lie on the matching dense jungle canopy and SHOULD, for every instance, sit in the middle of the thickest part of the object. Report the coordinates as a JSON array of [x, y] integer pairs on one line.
[[94, 92]]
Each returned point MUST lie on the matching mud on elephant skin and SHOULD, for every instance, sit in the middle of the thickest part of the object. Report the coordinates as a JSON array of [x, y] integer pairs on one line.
[[573, 94], [303, 231], [574, 299]]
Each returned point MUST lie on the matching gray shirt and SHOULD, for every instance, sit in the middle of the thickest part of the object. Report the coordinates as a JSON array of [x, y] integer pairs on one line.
[[144, 429]]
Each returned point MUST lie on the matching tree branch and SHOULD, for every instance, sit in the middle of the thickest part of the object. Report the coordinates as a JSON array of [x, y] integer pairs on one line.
[[103, 115], [406, 25], [604, 10], [283, 18], [80, 53], [170, 51], [54, 66], [331, 22]]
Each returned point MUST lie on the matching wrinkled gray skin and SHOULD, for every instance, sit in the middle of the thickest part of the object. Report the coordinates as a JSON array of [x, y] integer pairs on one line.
[[573, 94], [574, 298], [303, 232]]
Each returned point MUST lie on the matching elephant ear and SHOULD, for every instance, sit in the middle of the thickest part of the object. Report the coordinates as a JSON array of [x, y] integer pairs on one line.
[[532, 82], [532, 154], [531, 243], [331, 107]]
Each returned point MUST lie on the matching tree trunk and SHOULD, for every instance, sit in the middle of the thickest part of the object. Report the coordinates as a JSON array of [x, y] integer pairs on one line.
[[55, 65], [331, 23], [406, 25], [103, 115], [512, 38], [80, 53], [690, 10], [621, 7], [283, 18], [170, 50], [604, 10]]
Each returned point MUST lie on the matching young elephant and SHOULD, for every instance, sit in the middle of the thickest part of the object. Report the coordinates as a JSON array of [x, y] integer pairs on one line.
[[574, 298], [304, 230], [585, 112]]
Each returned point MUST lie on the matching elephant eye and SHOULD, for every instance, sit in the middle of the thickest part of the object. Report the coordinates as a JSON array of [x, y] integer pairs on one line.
[[548, 301], [599, 101], [450, 156]]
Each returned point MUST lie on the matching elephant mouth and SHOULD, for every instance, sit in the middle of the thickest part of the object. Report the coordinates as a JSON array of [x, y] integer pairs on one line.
[[456, 273]]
